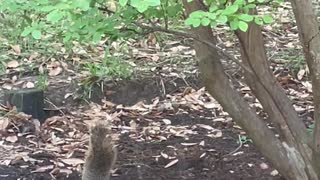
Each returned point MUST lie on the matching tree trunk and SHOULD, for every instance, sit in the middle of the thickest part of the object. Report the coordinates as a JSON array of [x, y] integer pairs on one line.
[[291, 156], [272, 96], [310, 38]]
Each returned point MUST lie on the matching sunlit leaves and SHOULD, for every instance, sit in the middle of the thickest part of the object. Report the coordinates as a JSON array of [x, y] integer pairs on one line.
[[205, 21], [222, 19], [143, 5], [123, 2], [193, 22], [234, 25], [243, 26], [258, 20], [245, 17], [267, 19], [54, 16], [36, 34], [230, 10]]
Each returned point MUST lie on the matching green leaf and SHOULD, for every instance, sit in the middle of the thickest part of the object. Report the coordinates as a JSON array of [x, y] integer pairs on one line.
[[212, 16], [192, 22], [222, 19], [239, 2], [213, 24], [142, 8], [213, 7], [67, 38], [243, 26], [222, 1], [205, 21], [234, 25], [173, 10], [151, 2], [54, 16], [197, 14], [230, 9], [258, 20], [250, 6], [245, 17], [267, 19], [143, 5], [82, 4], [26, 31], [96, 36], [196, 23], [36, 34], [260, 1], [47, 8], [123, 2], [251, 1]]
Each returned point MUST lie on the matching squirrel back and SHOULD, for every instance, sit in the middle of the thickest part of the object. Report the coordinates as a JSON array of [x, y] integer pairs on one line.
[[101, 155]]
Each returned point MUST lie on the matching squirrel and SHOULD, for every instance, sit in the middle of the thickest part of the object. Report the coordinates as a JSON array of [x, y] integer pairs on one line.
[[101, 155]]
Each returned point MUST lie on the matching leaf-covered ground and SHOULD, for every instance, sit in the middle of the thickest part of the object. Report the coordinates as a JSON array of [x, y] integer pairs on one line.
[[166, 126], [184, 135]]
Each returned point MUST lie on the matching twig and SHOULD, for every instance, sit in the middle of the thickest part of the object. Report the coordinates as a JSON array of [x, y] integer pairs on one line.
[[163, 87], [188, 35], [232, 152], [55, 107]]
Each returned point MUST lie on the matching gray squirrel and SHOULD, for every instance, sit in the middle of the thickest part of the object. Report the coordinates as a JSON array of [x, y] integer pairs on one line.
[[101, 155]]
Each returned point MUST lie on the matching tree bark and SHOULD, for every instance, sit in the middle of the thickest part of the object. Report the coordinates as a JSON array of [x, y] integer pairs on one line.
[[285, 158], [272, 96], [310, 38]]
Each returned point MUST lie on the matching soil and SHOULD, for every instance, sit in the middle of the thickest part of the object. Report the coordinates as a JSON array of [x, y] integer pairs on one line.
[[143, 161]]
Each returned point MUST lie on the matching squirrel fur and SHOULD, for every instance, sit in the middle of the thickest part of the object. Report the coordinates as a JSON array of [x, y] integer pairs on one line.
[[101, 155]]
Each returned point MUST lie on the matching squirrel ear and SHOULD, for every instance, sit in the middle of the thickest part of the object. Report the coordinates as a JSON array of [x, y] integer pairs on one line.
[[103, 123], [100, 126]]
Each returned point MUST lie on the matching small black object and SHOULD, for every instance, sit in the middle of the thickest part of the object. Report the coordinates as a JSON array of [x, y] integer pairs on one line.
[[29, 101]]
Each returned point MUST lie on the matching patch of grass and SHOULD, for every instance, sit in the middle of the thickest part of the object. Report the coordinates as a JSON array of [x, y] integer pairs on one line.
[[295, 60], [2, 67], [310, 128], [111, 68], [42, 82], [244, 139], [3, 113]]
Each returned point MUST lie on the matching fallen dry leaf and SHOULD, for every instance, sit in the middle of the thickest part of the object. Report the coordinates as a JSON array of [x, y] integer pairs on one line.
[[29, 85], [55, 71], [301, 73], [264, 166], [73, 161], [43, 168], [13, 64], [4, 123], [166, 121], [12, 139], [171, 163], [274, 173], [16, 49], [189, 144]]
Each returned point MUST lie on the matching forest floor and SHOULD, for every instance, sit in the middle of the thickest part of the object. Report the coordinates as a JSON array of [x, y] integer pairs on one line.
[[165, 125], [183, 136]]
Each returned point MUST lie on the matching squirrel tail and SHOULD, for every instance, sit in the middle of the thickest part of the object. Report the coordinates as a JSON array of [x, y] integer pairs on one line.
[[101, 155]]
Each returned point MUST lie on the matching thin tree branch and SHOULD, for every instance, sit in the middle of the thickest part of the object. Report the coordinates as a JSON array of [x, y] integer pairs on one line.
[[188, 35]]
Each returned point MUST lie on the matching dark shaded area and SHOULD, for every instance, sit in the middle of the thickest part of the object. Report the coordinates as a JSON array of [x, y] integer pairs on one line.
[[131, 92], [121, 92], [29, 101]]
